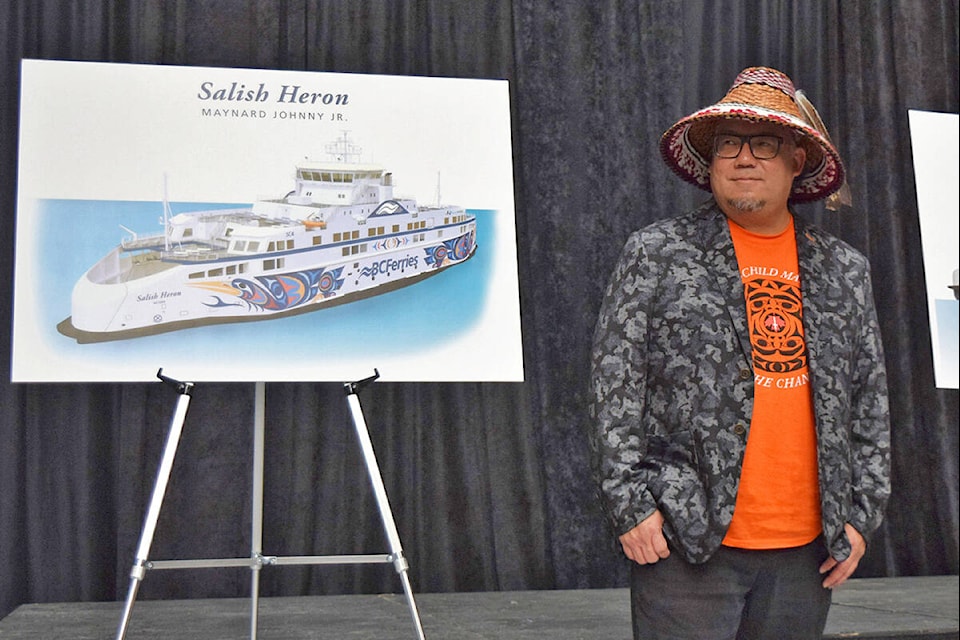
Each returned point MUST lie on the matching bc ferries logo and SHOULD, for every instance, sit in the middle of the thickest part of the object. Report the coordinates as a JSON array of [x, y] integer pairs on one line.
[[390, 266]]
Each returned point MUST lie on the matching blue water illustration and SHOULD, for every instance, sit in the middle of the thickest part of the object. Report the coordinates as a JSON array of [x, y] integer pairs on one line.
[[77, 233]]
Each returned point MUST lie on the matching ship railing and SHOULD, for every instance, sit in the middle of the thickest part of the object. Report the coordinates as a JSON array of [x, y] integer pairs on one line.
[[196, 252], [141, 242]]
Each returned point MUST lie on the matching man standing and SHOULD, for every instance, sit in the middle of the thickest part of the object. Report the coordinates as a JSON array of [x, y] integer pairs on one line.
[[741, 432]]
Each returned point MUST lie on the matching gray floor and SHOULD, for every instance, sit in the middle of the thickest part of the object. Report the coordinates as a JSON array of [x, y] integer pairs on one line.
[[894, 608]]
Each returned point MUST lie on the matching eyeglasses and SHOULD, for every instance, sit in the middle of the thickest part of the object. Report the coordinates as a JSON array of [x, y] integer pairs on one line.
[[763, 147]]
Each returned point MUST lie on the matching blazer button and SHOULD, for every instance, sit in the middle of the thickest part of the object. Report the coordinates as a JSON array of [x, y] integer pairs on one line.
[[745, 374], [739, 428]]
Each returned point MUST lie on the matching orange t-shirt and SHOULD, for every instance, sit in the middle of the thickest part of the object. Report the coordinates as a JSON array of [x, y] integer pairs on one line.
[[778, 503]]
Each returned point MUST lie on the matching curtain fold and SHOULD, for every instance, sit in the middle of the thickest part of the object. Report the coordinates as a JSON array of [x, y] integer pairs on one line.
[[489, 482]]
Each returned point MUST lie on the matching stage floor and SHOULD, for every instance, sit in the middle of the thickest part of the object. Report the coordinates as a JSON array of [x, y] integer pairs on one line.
[[895, 608]]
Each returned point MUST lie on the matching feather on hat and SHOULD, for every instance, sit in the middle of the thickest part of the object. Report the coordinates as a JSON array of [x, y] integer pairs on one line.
[[759, 94]]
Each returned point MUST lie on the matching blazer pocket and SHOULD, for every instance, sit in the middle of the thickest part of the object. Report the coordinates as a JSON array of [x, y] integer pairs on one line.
[[675, 481]]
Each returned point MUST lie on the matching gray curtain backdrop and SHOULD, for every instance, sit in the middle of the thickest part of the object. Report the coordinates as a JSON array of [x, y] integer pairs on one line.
[[489, 482]]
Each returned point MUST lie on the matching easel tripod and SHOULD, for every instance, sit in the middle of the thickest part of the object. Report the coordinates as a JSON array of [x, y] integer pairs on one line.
[[257, 559]]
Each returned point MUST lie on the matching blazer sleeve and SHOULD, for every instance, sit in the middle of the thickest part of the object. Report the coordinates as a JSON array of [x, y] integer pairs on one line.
[[618, 366], [869, 423]]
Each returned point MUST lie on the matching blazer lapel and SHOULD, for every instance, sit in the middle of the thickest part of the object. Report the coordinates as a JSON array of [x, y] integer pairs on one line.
[[810, 258], [722, 262]]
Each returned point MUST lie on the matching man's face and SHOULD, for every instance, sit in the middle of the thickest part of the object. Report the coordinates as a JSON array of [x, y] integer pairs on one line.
[[747, 186]]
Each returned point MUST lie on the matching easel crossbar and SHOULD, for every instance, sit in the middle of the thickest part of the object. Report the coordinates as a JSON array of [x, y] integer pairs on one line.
[[211, 563]]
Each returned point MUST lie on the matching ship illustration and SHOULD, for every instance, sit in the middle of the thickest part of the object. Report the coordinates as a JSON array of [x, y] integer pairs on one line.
[[339, 235]]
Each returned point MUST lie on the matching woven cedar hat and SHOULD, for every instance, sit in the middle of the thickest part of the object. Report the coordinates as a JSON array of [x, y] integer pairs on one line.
[[759, 94]]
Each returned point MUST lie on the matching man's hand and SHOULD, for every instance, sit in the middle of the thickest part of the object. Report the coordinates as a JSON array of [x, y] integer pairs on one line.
[[645, 544], [838, 572]]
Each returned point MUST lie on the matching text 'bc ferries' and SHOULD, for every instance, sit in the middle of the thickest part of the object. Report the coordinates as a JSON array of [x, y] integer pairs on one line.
[[339, 235]]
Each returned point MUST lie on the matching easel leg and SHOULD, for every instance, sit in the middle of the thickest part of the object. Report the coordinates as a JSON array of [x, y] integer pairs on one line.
[[256, 533], [156, 500], [386, 515]]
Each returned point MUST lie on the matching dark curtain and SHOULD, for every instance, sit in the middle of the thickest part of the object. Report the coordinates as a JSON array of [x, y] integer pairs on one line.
[[488, 482]]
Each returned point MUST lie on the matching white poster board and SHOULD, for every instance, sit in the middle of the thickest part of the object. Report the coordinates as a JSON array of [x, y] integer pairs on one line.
[[258, 225], [935, 141]]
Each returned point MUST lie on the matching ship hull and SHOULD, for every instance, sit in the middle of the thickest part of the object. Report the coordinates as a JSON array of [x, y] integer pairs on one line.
[[174, 298]]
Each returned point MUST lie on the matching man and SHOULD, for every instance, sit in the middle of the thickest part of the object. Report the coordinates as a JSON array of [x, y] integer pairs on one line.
[[741, 438]]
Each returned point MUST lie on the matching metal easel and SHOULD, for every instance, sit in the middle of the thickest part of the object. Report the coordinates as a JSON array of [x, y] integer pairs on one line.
[[257, 559]]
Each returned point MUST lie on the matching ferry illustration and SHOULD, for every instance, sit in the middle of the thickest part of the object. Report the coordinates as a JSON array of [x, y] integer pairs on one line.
[[338, 236]]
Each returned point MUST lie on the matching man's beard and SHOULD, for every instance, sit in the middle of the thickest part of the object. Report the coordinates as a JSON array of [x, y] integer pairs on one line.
[[747, 205]]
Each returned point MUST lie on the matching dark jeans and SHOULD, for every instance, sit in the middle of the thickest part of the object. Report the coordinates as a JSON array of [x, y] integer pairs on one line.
[[737, 594]]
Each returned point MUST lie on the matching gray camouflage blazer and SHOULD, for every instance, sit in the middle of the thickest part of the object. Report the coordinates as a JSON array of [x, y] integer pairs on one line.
[[672, 383]]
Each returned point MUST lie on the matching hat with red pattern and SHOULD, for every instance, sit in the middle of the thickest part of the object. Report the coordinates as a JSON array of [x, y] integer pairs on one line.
[[759, 94]]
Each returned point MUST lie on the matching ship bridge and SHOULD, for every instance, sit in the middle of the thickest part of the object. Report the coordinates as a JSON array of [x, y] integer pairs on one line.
[[332, 183]]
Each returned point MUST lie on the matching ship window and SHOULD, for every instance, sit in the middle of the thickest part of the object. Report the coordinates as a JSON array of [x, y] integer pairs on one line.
[[371, 233], [346, 251], [337, 237], [380, 231], [363, 248], [253, 246], [355, 249], [232, 270], [440, 233], [289, 244], [396, 228], [325, 177], [270, 247], [228, 232], [196, 275], [317, 240], [215, 273], [356, 234], [243, 268], [188, 232], [240, 245]]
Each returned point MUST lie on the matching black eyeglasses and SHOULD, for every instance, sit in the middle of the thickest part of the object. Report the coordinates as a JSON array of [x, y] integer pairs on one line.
[[763, 147]]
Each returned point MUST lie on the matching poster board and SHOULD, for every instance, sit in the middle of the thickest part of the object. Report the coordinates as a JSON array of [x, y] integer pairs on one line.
[[155, 201], [935, 137]]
